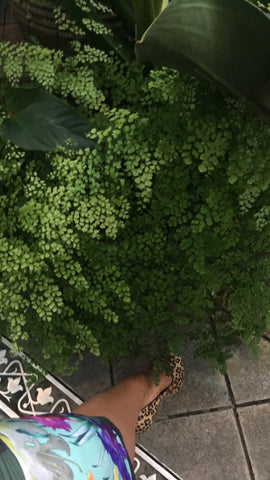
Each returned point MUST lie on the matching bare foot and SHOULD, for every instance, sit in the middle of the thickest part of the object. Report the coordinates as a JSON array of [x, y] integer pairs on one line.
[[154, 390]]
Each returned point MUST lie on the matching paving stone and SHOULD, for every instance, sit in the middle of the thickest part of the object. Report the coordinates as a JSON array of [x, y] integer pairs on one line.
[[202, 389], [250, 378], [91, 377], [255, 423], [123, 368], [205, 446]]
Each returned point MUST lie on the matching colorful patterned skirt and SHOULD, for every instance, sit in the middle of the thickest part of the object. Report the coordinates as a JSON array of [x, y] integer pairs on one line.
[[62, 447]]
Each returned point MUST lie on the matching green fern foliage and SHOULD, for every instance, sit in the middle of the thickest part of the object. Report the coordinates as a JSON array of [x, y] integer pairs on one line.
[[158, 236]]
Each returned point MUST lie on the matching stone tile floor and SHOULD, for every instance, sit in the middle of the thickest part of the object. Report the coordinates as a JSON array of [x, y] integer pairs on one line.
[[216, 427]]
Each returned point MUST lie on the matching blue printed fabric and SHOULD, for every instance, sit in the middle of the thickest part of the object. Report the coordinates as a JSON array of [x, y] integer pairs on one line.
[[62, 447]]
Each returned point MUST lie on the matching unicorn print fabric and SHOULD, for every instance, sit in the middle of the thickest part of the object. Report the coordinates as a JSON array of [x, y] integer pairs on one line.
[[62, 447]]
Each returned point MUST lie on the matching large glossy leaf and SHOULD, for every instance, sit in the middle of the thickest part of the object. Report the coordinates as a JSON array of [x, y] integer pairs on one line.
[[145, 12], [227, 40], [41, 121], [137, 15], [124, 10]]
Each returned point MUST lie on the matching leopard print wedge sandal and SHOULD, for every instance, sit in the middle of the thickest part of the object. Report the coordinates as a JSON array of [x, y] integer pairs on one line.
[[145, 417]]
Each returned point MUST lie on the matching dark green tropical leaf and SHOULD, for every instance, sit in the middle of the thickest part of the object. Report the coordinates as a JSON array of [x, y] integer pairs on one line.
[[137, 15], [124, 9], [145, 12], [41, 121], [227, 40]]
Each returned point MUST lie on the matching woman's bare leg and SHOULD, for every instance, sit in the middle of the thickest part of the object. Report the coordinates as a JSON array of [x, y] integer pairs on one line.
[[121, 404]]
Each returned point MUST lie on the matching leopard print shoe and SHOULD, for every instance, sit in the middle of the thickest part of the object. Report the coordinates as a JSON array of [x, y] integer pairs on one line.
[[145, 417]]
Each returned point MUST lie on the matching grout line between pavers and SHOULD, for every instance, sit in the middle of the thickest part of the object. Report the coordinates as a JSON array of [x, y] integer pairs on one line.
[[198, 412], [252, 403], [239, 427], [215, 409]]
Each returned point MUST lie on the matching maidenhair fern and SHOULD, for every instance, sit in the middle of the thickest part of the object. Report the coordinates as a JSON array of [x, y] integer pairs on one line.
[[158, 235]]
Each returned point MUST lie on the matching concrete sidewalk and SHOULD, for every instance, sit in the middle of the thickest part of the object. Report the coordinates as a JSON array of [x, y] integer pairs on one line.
[[216, 427]]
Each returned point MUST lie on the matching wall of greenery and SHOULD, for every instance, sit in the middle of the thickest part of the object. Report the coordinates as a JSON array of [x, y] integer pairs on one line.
[[157, 236]]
